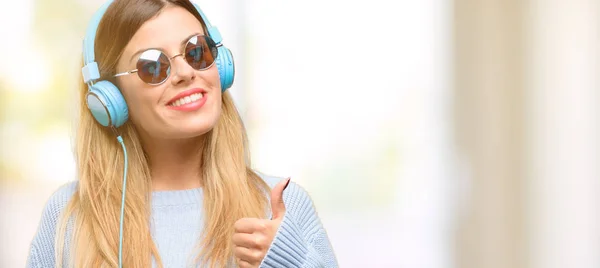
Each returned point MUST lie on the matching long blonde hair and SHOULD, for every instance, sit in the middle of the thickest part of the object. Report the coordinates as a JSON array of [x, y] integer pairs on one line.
[[90, 223]]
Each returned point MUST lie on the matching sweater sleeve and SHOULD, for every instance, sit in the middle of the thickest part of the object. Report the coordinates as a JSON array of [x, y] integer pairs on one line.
[[41, 251], [301, 240], [33, 260]]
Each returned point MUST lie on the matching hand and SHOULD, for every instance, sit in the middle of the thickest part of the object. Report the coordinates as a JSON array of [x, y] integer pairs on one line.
[[252, 237]]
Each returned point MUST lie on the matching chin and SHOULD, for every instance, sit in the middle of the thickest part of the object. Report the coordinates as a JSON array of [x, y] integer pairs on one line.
[[181, 134], [193, 129]]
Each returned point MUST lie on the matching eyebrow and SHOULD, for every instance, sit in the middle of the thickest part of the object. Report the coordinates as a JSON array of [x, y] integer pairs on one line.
[[144, 49]]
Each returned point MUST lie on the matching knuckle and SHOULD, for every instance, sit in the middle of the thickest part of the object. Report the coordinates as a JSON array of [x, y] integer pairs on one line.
[[257, 255], [239, 223], [259, 241], [262, 226], [244, 264]]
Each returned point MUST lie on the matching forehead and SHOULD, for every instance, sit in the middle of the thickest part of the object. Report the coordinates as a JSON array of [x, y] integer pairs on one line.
[[166, 30]]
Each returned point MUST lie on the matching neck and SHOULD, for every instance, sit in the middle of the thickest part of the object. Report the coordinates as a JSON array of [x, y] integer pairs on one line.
[[174, 164]]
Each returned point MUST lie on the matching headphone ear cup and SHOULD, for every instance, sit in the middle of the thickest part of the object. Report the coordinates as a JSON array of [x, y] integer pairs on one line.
[[226, 67], [107, 104]]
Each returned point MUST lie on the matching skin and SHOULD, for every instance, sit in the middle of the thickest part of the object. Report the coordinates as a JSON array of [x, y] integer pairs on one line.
[[170, 137], [253, 237]]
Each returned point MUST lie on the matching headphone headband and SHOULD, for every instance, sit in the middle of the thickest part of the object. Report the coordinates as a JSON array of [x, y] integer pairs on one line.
[[90, 70], [104, 99]]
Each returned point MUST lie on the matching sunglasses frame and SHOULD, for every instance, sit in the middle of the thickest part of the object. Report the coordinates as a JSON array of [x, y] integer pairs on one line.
[[170, 60]]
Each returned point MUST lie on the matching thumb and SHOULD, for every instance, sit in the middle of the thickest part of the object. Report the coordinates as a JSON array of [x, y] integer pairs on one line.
[[277, 205]]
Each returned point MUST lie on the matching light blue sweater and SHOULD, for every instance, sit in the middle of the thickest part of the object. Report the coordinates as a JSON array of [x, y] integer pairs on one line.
[[177, 220]]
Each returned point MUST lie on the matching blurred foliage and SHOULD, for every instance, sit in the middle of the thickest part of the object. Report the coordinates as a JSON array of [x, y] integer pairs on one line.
[[58, 24], [368, 187], [57, 32]]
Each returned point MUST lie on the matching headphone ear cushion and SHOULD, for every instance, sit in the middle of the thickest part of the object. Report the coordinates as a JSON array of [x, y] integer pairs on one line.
[[226, 67], [107, 104]]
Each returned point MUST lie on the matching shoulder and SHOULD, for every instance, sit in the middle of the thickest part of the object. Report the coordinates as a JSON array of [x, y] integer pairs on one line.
[[54, 206], [59, 200], [42, 244], [293, 188], [296, 198], [270, 180]]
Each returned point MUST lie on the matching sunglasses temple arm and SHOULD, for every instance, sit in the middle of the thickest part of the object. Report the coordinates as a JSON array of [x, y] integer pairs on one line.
[[126, 73]]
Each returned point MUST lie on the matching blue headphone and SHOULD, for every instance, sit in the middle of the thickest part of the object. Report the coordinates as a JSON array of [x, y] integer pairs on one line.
[[105, 100]]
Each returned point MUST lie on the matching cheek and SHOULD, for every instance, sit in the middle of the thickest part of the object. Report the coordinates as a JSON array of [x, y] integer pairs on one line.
[[140, 99], [213, 77], [218, 110]]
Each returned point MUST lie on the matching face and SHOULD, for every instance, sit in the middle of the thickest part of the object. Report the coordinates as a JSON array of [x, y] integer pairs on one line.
[[188, 103]]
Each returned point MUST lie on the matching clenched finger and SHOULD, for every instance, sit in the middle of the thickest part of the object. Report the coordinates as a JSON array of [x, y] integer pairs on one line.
[[250, 225], [251, 256], [249, 240], [245, 264]]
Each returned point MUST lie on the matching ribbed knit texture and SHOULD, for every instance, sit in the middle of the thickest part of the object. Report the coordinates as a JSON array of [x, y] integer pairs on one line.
[[177, 222]]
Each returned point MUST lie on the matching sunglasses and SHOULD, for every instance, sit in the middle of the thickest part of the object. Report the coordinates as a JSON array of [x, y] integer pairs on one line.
[[154, 66]]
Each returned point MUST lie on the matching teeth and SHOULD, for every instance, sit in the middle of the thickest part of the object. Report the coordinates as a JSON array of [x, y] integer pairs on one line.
[[187, 99]]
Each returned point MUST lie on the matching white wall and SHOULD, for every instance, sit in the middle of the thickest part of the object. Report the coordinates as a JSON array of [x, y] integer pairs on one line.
[[351, 99], [564, 120]]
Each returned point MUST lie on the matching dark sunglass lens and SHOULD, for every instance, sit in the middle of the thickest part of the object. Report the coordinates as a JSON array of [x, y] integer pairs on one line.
[[153, 67], [200, 52]]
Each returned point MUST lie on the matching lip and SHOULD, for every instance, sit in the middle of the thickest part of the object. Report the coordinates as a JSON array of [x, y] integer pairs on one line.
[[192, 106], [186, 93]]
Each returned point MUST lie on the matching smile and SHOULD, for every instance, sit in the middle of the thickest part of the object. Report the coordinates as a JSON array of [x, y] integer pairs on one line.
[[189, 100]]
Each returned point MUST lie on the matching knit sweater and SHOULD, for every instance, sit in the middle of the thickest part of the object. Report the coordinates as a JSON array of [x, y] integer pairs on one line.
[[176, 226]]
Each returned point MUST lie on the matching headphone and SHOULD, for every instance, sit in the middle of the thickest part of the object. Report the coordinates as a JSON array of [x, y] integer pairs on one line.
[[106, 103], [105, 100]]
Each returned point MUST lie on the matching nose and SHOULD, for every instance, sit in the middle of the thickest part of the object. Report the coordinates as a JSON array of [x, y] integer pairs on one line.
[[183, 72]]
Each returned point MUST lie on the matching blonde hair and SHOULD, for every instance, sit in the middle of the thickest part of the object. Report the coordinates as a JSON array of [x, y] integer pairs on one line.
[[91, 219]]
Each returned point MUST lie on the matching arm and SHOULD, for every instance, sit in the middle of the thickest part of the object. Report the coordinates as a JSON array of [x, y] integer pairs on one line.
[[301, 240]]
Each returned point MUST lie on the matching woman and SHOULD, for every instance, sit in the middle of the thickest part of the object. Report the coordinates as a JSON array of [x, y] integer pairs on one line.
[[181, 193]]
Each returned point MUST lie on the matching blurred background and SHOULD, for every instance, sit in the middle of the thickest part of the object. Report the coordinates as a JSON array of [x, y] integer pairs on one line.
[[464, 134]]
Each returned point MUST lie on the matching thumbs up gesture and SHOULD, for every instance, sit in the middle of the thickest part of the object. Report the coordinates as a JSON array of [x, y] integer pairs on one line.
[[252, 237]]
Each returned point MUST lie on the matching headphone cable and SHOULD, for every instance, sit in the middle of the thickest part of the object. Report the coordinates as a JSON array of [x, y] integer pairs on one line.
[[122, 203]]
